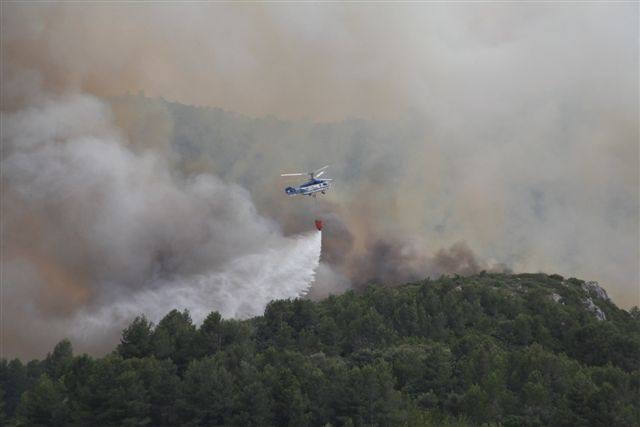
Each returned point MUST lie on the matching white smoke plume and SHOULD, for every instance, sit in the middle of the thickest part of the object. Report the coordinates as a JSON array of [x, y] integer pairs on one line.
[[101, 233], [240, 290]]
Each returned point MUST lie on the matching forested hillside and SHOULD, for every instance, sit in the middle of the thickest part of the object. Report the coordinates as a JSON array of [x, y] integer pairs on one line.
[[527, 349]]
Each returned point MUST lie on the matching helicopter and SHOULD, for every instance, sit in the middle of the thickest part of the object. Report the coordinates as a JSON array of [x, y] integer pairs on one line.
[[312, 186]]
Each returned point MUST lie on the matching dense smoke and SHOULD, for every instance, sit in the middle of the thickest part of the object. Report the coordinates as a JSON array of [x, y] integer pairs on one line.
[[461, 139], [95, 234], [241, 289]]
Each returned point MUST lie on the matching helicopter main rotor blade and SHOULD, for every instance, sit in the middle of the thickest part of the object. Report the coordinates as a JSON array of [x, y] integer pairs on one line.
[[293, 174], [320, 174], [320, 171]]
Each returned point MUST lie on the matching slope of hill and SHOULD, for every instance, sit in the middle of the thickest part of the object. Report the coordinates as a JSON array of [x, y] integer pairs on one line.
[[526, 349], [401, 191]]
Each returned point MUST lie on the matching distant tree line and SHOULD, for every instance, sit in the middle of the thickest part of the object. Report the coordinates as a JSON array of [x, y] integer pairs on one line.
[[491, 349]]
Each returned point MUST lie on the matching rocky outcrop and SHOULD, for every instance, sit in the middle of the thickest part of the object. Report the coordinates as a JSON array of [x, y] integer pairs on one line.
[[556, 298], [594, 289], [592, 307]]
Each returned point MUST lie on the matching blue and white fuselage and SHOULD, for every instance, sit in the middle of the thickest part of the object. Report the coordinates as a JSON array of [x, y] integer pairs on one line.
[[309, 188], [314, 185]]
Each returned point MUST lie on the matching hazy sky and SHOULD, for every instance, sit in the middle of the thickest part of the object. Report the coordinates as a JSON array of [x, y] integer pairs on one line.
[[510, 127]]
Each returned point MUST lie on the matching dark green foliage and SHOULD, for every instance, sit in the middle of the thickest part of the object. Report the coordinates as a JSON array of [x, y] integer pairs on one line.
[[44, 404], [231, 337], [136, 339], [13, 380], [57, 362], [371, 398], [3, 416], [207, 393], [175, 338], [491, 349]]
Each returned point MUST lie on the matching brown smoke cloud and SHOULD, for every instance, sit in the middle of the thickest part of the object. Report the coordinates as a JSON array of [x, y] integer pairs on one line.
[[97, 230], [511, 128]]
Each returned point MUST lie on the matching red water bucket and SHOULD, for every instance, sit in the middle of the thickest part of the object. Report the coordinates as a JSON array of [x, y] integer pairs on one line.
[[319, 224]]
